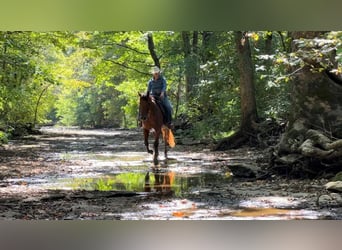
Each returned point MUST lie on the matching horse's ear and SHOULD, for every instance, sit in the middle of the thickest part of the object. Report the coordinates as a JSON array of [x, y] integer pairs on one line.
[[139, 94]]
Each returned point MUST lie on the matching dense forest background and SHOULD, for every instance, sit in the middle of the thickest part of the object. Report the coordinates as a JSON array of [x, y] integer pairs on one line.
[[91, 79]]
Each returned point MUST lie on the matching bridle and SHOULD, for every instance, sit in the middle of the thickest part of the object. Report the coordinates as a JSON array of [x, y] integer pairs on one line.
[[144, 115]]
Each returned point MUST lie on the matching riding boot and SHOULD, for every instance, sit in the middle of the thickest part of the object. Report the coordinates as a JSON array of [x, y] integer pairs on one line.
[[169, 120]]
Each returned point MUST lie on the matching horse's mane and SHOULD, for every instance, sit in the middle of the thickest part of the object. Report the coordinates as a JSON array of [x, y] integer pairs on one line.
[[147, 97]]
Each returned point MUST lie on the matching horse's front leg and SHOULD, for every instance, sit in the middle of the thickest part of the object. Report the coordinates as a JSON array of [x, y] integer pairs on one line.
[[146, 133], [156, 151]]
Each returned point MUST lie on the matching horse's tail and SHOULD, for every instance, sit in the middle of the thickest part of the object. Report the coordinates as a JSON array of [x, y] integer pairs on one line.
[[168, 136]]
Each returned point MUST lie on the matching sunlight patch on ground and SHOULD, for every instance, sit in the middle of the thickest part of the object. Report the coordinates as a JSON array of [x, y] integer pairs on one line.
[[184, 209], [84, 132], [271, 201]]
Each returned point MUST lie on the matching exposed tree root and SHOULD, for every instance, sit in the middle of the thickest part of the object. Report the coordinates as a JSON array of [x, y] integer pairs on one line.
[[299, 153], [311, 153], [261, 135], [235, 141]]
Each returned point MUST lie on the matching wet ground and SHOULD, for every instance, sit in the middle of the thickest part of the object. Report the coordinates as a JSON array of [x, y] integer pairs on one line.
[[68, 173]]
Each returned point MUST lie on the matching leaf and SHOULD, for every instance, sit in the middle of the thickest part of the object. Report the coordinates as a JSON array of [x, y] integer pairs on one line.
[[178, 214]]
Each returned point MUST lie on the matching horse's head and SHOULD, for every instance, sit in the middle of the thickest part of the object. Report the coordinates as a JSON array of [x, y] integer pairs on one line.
[[144, 106]]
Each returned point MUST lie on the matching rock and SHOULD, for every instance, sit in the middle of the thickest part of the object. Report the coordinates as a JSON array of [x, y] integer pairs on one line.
[[334, 186], [189, 142], [244, 170], [332, 200], [324, 200], [336, 197], [289, 159], [31, 199]]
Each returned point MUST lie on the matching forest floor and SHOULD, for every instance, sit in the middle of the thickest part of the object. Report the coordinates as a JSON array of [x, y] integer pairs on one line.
[[74, 174]]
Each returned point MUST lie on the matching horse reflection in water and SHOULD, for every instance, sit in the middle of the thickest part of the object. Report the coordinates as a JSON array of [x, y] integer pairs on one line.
[[162, 182]]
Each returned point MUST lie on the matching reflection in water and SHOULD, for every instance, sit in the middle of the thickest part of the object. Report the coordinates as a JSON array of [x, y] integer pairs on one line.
[[163, 182], [155, 180]]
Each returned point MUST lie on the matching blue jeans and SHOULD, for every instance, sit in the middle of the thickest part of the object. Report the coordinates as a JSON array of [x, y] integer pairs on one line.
[[167, 108]]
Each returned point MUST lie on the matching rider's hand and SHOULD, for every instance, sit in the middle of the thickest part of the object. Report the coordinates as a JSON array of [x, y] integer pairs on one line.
[[162, 95]]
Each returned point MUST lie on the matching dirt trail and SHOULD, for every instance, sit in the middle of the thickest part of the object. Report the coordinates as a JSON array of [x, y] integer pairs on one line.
[[67, 173]]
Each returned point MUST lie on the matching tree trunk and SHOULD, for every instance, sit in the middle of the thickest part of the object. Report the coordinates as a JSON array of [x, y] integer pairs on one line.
[[191, 62], [268, 43], [311, 145], [37, 106], [247, 96], [247, 85], [207, 54]]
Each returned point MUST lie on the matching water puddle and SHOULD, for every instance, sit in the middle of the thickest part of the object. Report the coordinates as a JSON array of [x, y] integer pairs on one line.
[[161, 181], [177, 186]]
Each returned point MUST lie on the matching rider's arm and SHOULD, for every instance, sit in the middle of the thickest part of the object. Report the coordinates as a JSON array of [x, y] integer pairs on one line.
[[149, 87]]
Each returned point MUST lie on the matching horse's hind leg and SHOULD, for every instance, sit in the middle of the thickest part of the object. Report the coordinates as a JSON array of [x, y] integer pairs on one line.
[[165, 138], [146, 133], [165, 151]]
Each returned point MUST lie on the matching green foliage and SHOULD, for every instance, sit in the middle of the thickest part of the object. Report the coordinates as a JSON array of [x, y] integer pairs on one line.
[[272, 80], [214, 107], [3, 138], [337, 177], [26, 72], [91, 79]]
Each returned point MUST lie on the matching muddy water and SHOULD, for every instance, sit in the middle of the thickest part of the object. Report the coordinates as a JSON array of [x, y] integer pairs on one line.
[[192, 184]]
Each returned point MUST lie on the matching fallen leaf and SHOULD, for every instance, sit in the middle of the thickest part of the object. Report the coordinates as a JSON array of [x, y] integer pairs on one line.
[[178, 214]]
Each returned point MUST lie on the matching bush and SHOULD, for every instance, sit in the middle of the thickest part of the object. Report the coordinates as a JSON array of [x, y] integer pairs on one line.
[[3, 138]]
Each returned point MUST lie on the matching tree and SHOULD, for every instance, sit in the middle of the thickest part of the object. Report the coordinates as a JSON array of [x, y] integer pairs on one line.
[[247, 82], [26, 60], [247, 95], [190, 45], [312, 142]]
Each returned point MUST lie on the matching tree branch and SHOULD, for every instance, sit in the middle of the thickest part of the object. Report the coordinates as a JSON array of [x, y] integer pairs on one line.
[[152, 50], [126, 47], [128, 67]]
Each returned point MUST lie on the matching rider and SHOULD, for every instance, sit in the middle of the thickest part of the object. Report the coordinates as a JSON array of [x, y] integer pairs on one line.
[[157, 87]]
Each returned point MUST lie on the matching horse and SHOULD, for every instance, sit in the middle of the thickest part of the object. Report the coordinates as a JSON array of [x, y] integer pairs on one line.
[[151, 116]]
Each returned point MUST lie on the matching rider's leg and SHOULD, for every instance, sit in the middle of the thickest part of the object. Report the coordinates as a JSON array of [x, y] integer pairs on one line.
[[168, 111]]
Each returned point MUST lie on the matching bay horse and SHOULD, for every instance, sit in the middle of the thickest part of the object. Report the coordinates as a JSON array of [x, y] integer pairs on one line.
[[152, 118]]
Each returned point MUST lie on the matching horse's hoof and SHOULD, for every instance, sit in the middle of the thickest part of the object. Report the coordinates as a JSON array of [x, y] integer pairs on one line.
[[150, 152]]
